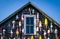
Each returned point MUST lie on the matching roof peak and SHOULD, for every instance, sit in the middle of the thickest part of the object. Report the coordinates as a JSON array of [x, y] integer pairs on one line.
[[29, 2]]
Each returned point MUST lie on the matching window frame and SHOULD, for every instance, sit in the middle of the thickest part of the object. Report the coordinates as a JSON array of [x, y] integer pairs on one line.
[[25, 24]]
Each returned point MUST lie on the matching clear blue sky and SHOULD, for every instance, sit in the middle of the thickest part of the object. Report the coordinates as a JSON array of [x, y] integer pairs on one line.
[[50, 7]]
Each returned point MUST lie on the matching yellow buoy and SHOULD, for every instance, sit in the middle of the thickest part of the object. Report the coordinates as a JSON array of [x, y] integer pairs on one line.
[[9, 38], [17, 31], [32, 37], [57, 38], [40, 37], [40, 24], [46, 22]]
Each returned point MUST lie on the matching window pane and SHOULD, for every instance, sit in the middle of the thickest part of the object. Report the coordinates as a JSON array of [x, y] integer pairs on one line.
[[31, 20], [27, 20], [31, 30], [27, 29]]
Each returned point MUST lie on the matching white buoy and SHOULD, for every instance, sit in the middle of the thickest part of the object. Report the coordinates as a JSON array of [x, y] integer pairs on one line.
[[37, 29], [44, 33], [22, 17], [19, 23], [23, 30], [51, 26], [13, 22], [1, 37], [13, 38], [55, 31], [48, 38], [11, 32], [4, 31], [37, 15], [48, 31], [17, 17]]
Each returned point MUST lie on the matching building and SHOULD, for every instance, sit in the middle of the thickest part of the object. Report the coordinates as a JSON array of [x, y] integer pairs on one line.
[[29, 22]]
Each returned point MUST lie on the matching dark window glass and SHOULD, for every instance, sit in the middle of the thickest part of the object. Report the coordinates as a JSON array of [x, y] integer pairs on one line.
[[27, 20], [31, 20], [32, 29], [29, 25], [27, 29]]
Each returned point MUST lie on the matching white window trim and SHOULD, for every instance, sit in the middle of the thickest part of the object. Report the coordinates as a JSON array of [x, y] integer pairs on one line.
[[25, 24]]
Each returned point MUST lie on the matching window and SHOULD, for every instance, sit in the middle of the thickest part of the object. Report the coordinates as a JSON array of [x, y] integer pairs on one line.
[[29, 24]]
